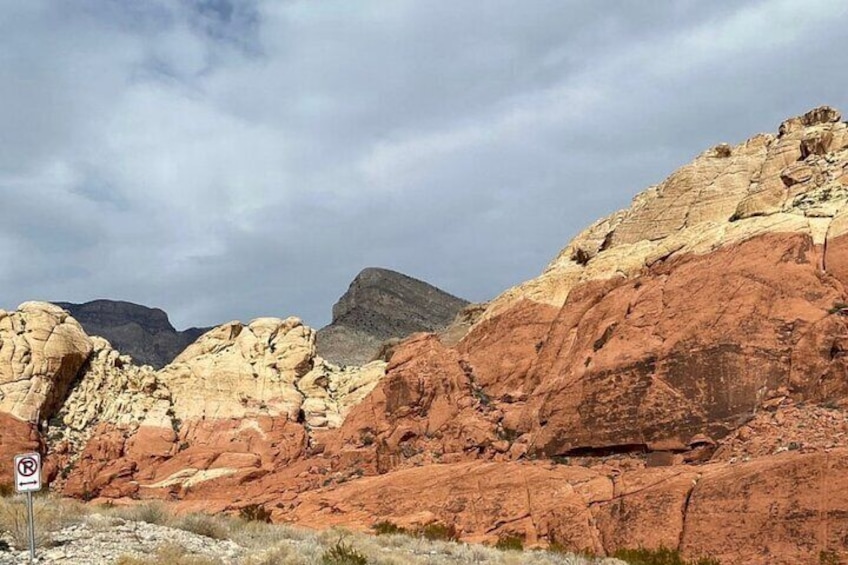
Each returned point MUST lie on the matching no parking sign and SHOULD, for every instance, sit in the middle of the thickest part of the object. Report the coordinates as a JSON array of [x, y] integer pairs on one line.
[[28, 480], [28, 472]]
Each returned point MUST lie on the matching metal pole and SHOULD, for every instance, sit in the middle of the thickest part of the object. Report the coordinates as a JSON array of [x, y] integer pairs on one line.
[[31, 516]]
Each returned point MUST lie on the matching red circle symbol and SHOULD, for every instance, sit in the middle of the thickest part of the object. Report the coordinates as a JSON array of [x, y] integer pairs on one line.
[[27, 466]]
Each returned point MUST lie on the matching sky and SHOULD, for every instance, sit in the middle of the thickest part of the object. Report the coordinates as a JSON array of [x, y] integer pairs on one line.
[[226, 159]]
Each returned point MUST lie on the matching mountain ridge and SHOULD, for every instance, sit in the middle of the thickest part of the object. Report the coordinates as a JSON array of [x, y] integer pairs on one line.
[[381, 304], [142, 332]]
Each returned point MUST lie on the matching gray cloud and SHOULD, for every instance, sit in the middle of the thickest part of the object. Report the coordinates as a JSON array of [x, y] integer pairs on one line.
[[227, 160]]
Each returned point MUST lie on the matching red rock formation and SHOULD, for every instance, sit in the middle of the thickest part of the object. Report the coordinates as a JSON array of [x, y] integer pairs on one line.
[[662, 383], [16, 437]]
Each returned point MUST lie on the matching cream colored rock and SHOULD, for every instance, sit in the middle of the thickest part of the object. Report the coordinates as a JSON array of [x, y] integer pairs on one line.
[[330, 391], [112, 390], [237, 370], [41, 351], [794, 182]]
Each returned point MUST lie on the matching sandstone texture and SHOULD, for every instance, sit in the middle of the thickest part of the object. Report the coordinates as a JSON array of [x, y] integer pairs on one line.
[[380, 305], [676, 377], [241, 401], [41, 351], [143, 333]]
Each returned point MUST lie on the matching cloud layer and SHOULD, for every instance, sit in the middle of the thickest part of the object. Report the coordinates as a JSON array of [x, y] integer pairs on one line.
[[225, 160]]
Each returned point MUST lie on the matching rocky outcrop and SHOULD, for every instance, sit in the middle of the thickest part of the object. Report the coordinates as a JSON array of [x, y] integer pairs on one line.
[[379, 305], [41, 352], [676, 377], [242, 400], [143, 333]]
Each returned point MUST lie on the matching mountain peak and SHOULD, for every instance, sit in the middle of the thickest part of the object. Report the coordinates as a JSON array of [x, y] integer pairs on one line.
[[381, 304]]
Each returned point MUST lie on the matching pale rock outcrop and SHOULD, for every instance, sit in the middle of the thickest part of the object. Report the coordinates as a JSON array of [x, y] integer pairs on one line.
[[794, 182], [242, 400], [41, 351], [114, 391], [330, 392], [237, 370]]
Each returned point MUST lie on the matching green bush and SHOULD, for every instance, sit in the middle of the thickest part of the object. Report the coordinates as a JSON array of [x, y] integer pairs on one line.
[[661, 556], [828, 558], [437, 531], [837, 307], [343, 554], [510, 543], [255, 513], [386, 528]]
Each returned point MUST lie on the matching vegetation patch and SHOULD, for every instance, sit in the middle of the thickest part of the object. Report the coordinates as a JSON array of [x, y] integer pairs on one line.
[[170, 554], [510, 543], [661, 556], [387, 528], [343, 554], [255, 513], [204, 525], [440, 532]]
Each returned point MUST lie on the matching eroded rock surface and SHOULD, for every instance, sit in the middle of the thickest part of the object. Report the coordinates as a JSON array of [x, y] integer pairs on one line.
[[41, 351], [241, 401]]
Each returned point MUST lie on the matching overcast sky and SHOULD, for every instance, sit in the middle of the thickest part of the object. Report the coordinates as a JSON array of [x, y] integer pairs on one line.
[[230, 159]]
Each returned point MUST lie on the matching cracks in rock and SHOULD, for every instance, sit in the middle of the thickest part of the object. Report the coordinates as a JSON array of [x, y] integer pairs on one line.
[[530, 505], [685, 512], [727, 304]]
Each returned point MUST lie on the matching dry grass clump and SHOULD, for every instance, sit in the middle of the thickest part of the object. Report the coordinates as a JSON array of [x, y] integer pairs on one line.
[[279, 544], [204, 525], [263, 535], [151, 512], [50, 516], [661, 556], [168, 554]]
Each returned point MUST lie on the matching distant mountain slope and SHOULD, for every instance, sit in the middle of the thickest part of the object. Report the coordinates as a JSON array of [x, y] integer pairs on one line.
[[141, 332], [381, 304]]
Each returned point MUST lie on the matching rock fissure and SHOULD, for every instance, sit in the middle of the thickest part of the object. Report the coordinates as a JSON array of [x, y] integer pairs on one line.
[[685, 511]]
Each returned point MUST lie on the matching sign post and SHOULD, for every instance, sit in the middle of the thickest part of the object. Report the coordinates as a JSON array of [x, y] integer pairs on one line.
[[28, 480]]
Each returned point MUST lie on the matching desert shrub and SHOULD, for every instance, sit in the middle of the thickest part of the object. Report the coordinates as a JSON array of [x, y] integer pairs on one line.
[[510, 543], [343, 554], [276, 556], [386, 528], [261, 535], [50, 516], [6, 490], [837, 307], [661, 556], [828, 558], [150, 512], [204, 525], [168, 554], [255, 513], [438, 531]]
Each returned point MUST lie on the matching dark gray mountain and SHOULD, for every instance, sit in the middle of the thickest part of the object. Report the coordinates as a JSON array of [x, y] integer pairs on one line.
[[379, 305], [144, 333]]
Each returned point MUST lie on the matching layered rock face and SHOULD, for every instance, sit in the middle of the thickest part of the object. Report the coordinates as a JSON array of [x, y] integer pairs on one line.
[[676, 377], [380, 305], [144, 333], [243, 400], [41, 351]]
